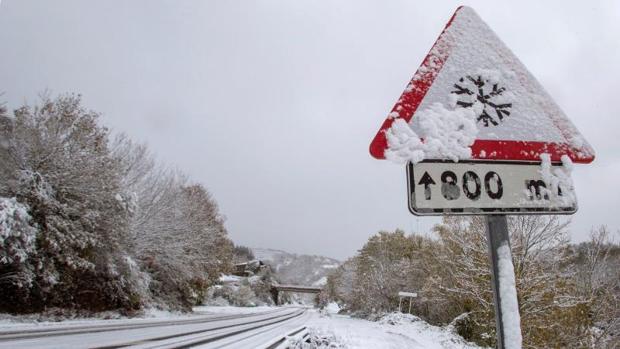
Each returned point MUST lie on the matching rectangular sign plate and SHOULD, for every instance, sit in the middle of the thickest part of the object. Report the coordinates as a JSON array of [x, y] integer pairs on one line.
[[475, 188]]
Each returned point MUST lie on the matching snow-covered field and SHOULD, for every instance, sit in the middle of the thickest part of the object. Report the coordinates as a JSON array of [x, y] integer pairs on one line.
[[394, 331]]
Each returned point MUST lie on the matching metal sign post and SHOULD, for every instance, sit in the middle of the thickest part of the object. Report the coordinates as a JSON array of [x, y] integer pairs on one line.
[[497, 235]]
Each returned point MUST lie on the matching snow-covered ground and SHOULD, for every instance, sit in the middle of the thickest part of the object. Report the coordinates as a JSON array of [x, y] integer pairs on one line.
[[334, 331], [393, 331]]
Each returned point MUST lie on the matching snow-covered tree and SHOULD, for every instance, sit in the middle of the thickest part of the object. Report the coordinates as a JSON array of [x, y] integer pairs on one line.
[[596, 268], [176, 230], [385, 266], [56, 160], [461, 280], [89, 224]]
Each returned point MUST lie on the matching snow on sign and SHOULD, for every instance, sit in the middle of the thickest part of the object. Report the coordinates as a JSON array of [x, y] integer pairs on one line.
[[473, 99]]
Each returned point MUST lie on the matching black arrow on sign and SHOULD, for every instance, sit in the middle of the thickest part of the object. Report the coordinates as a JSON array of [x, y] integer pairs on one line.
[[427, 181]]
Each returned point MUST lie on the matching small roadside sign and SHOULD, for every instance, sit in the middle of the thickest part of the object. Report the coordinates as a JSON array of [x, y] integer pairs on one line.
[[410, 295]]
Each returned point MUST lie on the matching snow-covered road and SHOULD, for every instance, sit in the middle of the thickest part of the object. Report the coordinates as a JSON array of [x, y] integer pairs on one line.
[[235, 328], [241, 330]]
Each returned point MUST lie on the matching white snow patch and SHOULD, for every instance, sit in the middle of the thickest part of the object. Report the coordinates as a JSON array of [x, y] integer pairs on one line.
[[443, 134], [230, 278], [558, 180], [229, 309], [398, 319], [509, 303], [332, 308], [320, 282]]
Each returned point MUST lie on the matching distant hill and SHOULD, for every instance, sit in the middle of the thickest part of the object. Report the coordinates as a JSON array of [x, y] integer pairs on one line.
[[298, 269]]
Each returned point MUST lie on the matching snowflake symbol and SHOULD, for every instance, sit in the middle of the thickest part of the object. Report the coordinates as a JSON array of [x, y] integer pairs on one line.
[[470, 90]]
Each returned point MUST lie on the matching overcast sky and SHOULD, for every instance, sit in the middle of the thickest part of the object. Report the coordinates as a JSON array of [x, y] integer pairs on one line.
[[272, 104]]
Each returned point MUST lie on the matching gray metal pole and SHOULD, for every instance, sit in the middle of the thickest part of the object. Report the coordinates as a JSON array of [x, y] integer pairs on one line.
[[497, 234]]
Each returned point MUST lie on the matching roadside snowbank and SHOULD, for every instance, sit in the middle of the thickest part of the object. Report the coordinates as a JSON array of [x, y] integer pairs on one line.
[[229, 309], [395, 330], [64, 318]]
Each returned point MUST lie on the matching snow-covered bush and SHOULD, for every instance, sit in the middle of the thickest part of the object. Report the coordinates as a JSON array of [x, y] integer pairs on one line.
[[255, 290], [243, 296], [240, 295], [384, 266], [17, 244], [17, 235]]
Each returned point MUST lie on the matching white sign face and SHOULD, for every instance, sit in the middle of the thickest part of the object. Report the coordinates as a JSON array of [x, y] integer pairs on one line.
[[407, 294], [437, 188]]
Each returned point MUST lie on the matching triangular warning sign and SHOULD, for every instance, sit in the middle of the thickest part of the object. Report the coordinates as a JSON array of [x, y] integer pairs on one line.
[[470, 67]]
